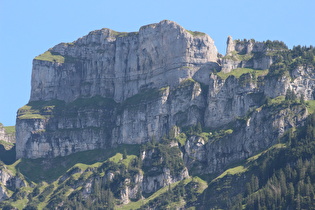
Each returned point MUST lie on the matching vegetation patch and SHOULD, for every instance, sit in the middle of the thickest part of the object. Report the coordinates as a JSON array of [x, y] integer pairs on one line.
[[180, 194], [49, 170], [119, 34], [49, 56], [163, 156], [186, 83], [240, 71], [9, 129], [196, 33], [138, 204], [143, 97], [45, 109], [182, 138], [7, 146], [38, 109], [232, 171], [238, 56], [255, 157], [93, 102], [310, 105]]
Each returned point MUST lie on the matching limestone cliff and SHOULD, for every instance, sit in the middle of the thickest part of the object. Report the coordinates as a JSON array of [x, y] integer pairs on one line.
[[119, 65], [246, 54], [123, 68], [110, 88], [122, 116], [7, 134]]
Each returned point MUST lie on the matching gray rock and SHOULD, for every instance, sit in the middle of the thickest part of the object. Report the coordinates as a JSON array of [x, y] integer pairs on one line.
[[5, 136]]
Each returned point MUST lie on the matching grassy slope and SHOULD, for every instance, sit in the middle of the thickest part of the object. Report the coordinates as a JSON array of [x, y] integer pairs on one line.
[[9, 129], [38, 170], [239, 71], [48, 56], [244, 167]]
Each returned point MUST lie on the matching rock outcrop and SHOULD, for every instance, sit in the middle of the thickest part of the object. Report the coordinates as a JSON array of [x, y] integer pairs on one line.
[[7, 134], [9, 181], [110, 88], [119, 65], [246, 54], [125, 68]]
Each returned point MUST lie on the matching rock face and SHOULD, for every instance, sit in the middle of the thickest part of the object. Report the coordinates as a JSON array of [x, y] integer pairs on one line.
[[8, 182], [7, 136], [122, 67], [119, 65], [246, 54], [110, 88]]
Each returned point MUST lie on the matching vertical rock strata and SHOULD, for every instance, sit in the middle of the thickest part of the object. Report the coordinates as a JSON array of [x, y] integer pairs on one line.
[[118, 65], [110, 88], [124, 68]]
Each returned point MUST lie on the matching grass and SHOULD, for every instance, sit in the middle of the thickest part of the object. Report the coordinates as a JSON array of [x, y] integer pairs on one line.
[[202, 184], [127, 161], [244, 57], [255, 157], [48, 193], [44, 109], [238, 57], [49, 170], [20, 204], [182, 138], [7, 145], [232, 171], [310, 105], [138, 204], [119, 34], [48, 56], [12, 167], [95, 101], [243, 168], [196, 33], [145, 96], [116, 158], [240, 71], [9, 129], [28, 112], [278, 100]]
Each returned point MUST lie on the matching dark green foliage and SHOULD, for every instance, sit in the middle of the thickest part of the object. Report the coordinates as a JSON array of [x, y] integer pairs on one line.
[[103, 191], [287, 60], [46, 191], [145, 96], [8, 207], [45, 109], [187, 192], [279, 179], [163, 156], [45, 169], [276, 45], [96, 101], [290, 95], [7, 156], [30, 207], [193, 129]]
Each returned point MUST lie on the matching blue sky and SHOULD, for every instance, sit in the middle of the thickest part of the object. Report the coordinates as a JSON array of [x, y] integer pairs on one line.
[[29, 28]]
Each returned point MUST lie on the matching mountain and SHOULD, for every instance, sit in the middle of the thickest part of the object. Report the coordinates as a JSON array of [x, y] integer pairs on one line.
[[159, 119]]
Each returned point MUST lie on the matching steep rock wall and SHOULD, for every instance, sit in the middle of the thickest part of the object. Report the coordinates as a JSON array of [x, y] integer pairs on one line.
[[109, 88], [93, 123], [118, 65]]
